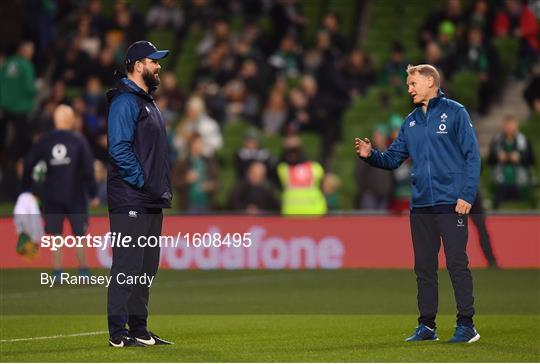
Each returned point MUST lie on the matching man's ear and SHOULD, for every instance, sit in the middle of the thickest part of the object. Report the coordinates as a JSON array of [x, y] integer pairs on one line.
[[431, 81], [139, 66]]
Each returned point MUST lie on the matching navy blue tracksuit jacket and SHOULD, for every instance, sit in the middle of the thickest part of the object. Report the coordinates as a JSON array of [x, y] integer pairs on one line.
[[69, 180], [139, 168], [444, 151]]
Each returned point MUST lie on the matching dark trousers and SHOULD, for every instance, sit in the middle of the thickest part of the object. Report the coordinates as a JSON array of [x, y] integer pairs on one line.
[[428, 226], [478, 217], [128, 303]]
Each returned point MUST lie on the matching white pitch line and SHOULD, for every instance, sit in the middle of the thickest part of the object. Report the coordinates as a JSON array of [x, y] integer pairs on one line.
[[53, 337]]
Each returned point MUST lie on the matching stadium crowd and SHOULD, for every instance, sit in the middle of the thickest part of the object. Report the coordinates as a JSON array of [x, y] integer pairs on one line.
[[274, 77]]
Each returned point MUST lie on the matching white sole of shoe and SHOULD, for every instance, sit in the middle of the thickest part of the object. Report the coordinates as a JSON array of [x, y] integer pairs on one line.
[[475, 338]]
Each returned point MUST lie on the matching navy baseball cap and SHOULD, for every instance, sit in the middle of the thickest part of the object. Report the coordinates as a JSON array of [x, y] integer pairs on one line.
[[144, 49]]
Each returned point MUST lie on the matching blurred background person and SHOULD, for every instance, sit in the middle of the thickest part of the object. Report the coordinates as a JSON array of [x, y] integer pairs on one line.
[[510, 156], [195, 178], [253, 194], [69, 182], [197, 121], [18, 93], [301, 182]]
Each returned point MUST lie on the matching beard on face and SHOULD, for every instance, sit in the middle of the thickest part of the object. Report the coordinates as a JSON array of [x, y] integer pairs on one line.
[[151, 79]]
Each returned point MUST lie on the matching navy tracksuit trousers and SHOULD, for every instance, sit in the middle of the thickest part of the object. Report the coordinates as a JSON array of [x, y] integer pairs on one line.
[[428, 226], [128, 303]]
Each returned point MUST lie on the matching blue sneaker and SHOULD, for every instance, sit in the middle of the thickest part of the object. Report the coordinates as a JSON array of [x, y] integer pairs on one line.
[[421, 333], [465, 334]]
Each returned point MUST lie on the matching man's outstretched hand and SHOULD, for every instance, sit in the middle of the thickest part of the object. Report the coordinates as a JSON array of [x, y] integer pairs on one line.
[[363, 147]]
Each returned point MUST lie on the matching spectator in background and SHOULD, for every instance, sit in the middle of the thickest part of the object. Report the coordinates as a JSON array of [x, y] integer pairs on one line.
[[251, 152], [392, 71], [215, 101], [220, 33], [171, 90], [72, 66], [212, 69], [299, 117], [375, 186], [129, 21], [481, 58], [195, 178], [518, 21], [104, 67], [99, 23], [453, 13], [433, 55], [166, 15], [253, 194], [43, 119], [201, 14], [96, 108], [242, 50], [287, 19], [339, 43], [238, 104], [89, 41], [330, 187], [532, 91], [510, 156], [196, 121], [316, 106], [481, 16], [286, 59], [254, 35], [359, 73], [320, 59], [275, 113], [301, 181], [17, 99], [250, 76]]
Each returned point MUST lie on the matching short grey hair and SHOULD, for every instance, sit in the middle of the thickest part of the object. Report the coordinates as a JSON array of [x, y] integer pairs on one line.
[[425, 70]]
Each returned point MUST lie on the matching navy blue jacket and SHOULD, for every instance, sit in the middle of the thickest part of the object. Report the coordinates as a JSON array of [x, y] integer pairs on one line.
[[139, 168], [69, 180], [444, 152]]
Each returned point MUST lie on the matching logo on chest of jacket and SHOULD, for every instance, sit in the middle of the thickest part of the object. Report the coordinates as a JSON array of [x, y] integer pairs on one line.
[[442, 129], [133, 214], [460, 222], [442, 125], [412, 123]]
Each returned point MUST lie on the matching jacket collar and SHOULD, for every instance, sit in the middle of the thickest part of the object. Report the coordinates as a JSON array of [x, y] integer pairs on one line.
[[124, 84], [432, 102]]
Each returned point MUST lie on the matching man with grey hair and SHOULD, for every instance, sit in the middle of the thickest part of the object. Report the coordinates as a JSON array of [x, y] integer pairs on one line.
[[439, 137]]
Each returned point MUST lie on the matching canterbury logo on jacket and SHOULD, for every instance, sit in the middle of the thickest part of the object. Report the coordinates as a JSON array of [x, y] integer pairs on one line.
[[444, 152], [139, 168]]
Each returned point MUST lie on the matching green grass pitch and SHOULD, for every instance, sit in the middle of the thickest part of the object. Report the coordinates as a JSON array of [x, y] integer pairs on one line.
[[267, 316]]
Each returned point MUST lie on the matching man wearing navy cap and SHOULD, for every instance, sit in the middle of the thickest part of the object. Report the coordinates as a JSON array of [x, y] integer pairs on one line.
[[138, 188]]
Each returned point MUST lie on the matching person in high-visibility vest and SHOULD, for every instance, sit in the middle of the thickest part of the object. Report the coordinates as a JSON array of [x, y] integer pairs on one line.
[[301, 179]]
